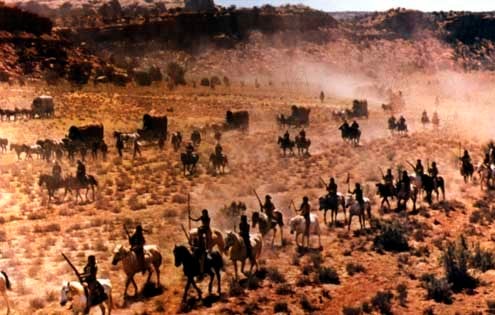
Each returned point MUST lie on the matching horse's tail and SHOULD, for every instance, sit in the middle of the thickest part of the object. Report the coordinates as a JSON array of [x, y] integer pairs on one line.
[[7, 280]]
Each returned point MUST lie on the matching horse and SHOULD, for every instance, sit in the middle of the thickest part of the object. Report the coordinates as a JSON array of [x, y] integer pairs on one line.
[[131, 265], [286, 144], [3, 144], [329, 203], [238, 250], [219, 162], [486, 174], [467, 171], [403, 195], [127, 137], [355, 209], [298, 225], [73, 291], [392, 126], [52, 184], [216, 239], [213, 264], [431, 185], [302, 145], [402, 129], [176, 140], [425, 120], [19, 149], [36, 149], [264, 226], [385, 191], [196, 138], [73, 183], [189, 161], [5, 286]]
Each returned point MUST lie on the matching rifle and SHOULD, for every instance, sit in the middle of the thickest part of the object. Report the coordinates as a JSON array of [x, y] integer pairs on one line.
[[127, 233], [381, 171], [78, 275], [323, 182], [259, 200], [348, 181], [187, 235], [412, 165], [189, 210], [292, 204]]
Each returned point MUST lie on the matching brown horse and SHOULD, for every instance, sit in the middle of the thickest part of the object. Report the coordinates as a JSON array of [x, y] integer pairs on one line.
[[219, 162], [73, 183], [52, 184], [265, 226]]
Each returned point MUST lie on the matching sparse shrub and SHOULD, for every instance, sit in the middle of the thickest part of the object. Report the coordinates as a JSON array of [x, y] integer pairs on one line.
[[169, 213], [37, 303], [307, 305], [455, 260], [348, 310], [382, 302], [316, 259], [391, 237], [205, 82], [214, 81], [328, 275], [3, 236], [226, 81], [281, 307], [491, 306], [53, 227], [303, 281], [439, 290], [402, 292], [176, 73], [366, 307], [353, 268], [235, 288], [275, 276], [428, 311], [159, 306], [284, 289], [251, 309], [482, 259]]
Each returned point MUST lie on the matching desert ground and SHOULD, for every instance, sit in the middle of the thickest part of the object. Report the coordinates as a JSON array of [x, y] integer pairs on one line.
[[152, 190]]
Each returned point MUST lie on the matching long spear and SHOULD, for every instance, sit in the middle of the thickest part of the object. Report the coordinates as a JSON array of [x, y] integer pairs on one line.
[[78, 275], [189, 210]]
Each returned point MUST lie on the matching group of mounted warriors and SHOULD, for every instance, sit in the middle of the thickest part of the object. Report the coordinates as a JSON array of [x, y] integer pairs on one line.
[[350, 133], [90, 291], [485, 170], [301, 142]]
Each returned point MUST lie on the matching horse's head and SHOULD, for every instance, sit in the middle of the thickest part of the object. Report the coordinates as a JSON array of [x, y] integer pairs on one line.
[[229, 240], [66, 293], [119, 253], [179, 254], [255, 218]]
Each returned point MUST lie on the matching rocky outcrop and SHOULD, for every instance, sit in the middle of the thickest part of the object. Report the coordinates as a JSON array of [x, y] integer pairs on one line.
[[199, 5]]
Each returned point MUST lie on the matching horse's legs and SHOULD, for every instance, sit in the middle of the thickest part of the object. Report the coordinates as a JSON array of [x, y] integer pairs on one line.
[[274, 234], [135, 285], [196, 287], [350, 220], [157, 270], [150, 272], [210, 285], [127, 282], [186, 289], [219, 280], [6, 301], [235, 269], [325, 216], [281, 236], [102, 308], [243, 262]]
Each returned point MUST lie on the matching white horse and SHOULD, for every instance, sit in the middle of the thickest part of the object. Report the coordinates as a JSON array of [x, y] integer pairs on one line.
[[73, 291], [298, 225], [238, 250], [355, 209], [4, 286]]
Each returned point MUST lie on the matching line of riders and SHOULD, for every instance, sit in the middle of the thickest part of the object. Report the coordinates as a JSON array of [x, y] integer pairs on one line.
[[301, 142], [486, 169], [190, 158]]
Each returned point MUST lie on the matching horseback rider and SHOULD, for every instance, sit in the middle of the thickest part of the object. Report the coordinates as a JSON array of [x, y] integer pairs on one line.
[[433, 170], [345, 126], [96, 293], [405, 181], [189, 148], [57, 171], [466, 159], [305, 210], [268, 207], [204, 236], [81, 172], [137, 148], [332, 188], [358, 192], [120, 145], [392, 122], [302, 135], [402, 122], [419, 169], [424, 117], [322, 96], [286, 136], [137, 242], [355, 126], [218, 150], [435, 118], [388, 179], [244, 232]]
